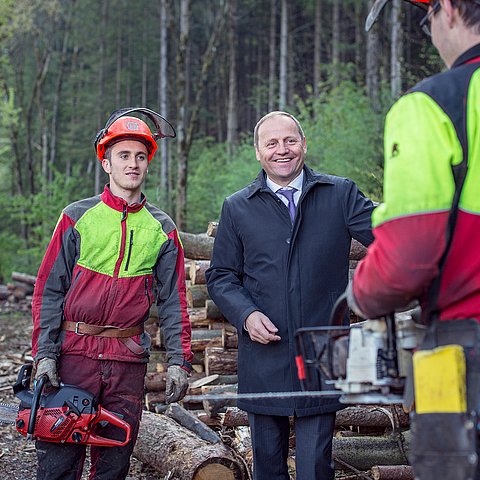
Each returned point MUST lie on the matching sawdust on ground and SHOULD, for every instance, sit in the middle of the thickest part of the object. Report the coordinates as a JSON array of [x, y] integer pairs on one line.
[[17, 455]]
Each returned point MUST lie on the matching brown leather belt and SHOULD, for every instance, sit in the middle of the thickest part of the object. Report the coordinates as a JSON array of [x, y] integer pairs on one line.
[[81, 328]]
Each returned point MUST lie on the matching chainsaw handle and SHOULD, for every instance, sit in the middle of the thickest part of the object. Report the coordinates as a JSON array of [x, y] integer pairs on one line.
[[39, 384], [338, 311], [106, 416]]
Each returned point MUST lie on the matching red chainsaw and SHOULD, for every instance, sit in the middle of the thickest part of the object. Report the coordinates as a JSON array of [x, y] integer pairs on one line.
[[68, 414]]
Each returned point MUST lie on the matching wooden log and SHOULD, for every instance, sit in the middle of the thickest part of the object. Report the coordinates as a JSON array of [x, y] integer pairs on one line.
[[364, 452], [230, 339], [24, 278], [152, 399], [197, 269], [186, 267], [234, 417], [155, 381], [357, 250], [197, 296], [178, 453], [191, 421], [213, 407], [203, 338], [213, 311], [198, 317], [372, 416], [212, 228], [4, 292], [197, 246], [220, 360], [392, 472]]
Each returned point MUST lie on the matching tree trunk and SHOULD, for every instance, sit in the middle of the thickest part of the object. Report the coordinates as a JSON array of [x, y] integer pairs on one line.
[[272, 55], [232, 119], [101, 84], [197, 271], [395, 50], [175, 451], [335, 40], [372, 64], [317, 48], [283, 56], [163, 102], [221, 361]]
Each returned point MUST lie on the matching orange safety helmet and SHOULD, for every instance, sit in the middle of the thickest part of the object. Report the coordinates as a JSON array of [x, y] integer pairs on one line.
[[121, 126], [378, 7]]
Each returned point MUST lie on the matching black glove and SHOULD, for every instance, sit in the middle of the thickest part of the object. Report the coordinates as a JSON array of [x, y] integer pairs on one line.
[[352, 301], [48, 367], [177, 384]]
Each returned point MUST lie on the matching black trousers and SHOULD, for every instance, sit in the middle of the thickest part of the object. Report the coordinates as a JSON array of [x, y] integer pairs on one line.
[[313, 451], [118, 387]]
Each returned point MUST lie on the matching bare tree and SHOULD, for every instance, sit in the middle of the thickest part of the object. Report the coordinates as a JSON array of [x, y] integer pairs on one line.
[[282, 102], [272, 62], [163, 100], [317, 47], [232, 119], [395, 49], [371, 79]]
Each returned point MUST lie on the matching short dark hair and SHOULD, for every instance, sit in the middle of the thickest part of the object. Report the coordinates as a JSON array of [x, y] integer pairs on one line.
[[276, 113], [470, 13]]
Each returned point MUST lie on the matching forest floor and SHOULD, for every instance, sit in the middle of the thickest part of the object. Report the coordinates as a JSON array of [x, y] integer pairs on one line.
[[17, 455]]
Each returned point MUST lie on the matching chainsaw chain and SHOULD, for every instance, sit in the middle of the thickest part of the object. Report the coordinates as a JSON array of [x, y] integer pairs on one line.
[[12, 410]]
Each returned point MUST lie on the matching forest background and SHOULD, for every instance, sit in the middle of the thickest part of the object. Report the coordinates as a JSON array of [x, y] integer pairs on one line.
[[212, 68]]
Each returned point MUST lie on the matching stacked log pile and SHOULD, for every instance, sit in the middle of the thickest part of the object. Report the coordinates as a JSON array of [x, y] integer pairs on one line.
[[17, 294]]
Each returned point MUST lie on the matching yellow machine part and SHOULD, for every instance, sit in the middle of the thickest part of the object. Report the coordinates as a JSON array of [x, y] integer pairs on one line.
[[440, 380]]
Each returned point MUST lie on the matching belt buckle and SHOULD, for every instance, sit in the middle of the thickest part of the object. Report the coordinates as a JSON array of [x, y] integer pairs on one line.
[[77, 324]]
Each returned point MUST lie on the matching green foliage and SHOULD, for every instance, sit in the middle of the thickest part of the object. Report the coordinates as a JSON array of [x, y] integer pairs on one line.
[[344, 135], [29, 223], [213, 176]]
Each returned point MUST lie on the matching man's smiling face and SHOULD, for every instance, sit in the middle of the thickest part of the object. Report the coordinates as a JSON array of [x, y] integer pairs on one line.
[[281, 149], [127, 168]]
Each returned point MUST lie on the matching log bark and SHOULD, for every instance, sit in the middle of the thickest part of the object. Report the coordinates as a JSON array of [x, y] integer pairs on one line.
[[192, 423], [213, 311], [155, 381], [213, 407], [357, 250], [212, 229], [24, 278], [175, 451], [197, 295], [203, 338], [197, 246], [197, 269], [372, 416], [221, 361], [364, 452], [234, 417], [198, 317], [392, 472]]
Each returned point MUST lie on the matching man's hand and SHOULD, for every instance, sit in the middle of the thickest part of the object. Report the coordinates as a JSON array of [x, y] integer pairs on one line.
[[260, 328], [48, 367], [177, 384]]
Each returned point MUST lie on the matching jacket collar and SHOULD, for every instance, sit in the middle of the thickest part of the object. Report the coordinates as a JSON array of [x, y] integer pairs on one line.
[[118, 203], [310, 178], [472, 53]]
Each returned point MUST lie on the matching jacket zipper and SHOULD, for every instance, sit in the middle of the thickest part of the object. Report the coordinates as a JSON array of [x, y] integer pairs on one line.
[[130, 245]]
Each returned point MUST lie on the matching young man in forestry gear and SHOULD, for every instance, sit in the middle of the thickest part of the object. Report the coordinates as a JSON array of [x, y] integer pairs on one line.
[[280, 260], [94, 291], [427, 237]]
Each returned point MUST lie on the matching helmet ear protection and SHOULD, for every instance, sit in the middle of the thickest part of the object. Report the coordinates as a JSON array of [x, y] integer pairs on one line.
[[378, 7], [163, 128]]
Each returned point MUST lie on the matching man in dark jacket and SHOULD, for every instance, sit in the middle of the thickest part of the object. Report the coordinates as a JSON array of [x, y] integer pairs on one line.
[[279, 262]]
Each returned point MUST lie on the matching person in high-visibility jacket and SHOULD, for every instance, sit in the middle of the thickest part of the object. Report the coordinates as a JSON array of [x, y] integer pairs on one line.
[[427, 230]]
